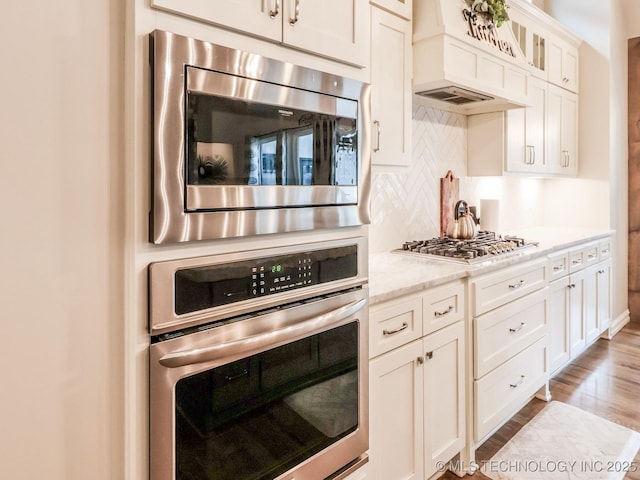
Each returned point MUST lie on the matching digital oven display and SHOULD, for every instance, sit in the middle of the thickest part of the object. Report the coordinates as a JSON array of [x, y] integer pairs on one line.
[[207, 287]]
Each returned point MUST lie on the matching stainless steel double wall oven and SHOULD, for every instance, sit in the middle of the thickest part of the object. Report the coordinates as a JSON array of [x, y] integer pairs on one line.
[[246, 145], [258, 359], [259, 364]]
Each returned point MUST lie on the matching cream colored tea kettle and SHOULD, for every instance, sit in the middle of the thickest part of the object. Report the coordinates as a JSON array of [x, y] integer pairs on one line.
[[463, 226]]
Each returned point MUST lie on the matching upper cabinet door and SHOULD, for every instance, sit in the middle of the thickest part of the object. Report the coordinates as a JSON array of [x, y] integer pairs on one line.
[[390, 88], [337, 29], [331, 28], [402, 8], [563, 64], [259, 17]]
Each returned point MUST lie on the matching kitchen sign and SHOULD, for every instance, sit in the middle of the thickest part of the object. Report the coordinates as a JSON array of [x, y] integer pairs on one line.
[[485, 32]]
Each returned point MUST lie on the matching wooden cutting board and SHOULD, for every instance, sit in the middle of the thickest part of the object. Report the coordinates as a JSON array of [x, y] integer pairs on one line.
[[449, 195]]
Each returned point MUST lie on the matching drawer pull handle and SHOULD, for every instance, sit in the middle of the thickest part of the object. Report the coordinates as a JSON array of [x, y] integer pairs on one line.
[[605, 251], [517, 329], [296, 17], [516, 385], [600, 272], [404, 326], [571, 285], [591, 256], [443, 313], [576, 262], [516, 285], [274, 13], [558, 268], [231, 378]]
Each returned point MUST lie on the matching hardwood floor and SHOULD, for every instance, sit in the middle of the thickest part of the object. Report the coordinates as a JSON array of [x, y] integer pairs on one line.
[[605, 380]]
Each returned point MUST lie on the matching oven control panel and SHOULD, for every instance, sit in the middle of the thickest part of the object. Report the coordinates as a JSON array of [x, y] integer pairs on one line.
[[205, 287]]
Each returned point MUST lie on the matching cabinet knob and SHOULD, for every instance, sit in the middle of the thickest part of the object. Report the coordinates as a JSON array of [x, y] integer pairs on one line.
[[420, 360], [428, 355]]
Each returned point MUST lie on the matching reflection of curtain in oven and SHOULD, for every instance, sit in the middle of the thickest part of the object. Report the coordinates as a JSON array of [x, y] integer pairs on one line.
[[323, 152]]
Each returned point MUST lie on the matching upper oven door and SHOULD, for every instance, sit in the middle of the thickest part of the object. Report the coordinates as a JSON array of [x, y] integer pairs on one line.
[[253, 144]]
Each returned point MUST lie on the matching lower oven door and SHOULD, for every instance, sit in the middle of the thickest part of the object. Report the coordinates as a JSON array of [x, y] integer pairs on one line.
[[276, 395]]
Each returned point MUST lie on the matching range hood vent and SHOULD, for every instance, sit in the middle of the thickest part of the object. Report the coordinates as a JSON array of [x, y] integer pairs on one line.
[[454, 95], [463, 64]]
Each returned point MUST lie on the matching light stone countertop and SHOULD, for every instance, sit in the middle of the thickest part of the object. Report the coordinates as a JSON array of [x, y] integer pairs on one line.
[[393, 274]]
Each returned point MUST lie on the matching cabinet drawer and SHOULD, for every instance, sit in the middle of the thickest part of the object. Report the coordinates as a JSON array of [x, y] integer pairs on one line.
[[499, 288], [604, 248], [558, 265], [504, 332], [499, 394], [443, 306], [393, 324], [590, 254]]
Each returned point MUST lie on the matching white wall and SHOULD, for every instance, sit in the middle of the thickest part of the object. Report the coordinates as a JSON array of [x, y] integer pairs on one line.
[[62, 239]]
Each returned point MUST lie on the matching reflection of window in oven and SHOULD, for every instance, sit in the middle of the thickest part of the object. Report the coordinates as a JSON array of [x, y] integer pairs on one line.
[[267, 155], [299, 156]]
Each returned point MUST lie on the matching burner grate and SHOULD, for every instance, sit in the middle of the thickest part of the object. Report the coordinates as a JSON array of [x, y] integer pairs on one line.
[[484, 245]]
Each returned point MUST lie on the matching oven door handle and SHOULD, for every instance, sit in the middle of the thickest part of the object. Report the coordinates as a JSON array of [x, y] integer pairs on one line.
[[207, 354]]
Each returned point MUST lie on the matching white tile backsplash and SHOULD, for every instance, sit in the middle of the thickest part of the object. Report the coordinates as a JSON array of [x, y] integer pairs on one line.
[[405, 201]]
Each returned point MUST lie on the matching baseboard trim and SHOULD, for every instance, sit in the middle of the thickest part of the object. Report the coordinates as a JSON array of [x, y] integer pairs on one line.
[[617, 324]]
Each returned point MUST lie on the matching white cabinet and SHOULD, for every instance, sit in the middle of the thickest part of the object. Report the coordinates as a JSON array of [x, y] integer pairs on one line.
[[402, 8], [562, 132], [510, 326], [563, 64], [532, 39], [559, 343], [598, 316], [417, 389], [578, 303], [391, 64], [444, 398], [396, 414], [539, 140], [579, 300], [337, 29], [531, 158], [604, 289], [511, 141]]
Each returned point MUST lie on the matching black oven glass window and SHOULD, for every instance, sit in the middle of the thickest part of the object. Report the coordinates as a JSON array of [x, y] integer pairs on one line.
[[236, 142], [255, 418]]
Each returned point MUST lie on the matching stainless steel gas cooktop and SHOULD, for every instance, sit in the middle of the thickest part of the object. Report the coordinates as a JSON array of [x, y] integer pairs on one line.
[[485, 246]]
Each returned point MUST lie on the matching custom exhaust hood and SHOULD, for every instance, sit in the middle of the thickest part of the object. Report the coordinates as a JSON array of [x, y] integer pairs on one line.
[[462, 64]]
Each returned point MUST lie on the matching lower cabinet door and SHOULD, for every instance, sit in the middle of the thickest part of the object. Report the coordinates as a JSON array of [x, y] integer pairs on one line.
[[396, 414], [444, 396], [604, 295], [559, 348], [577, 305]]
